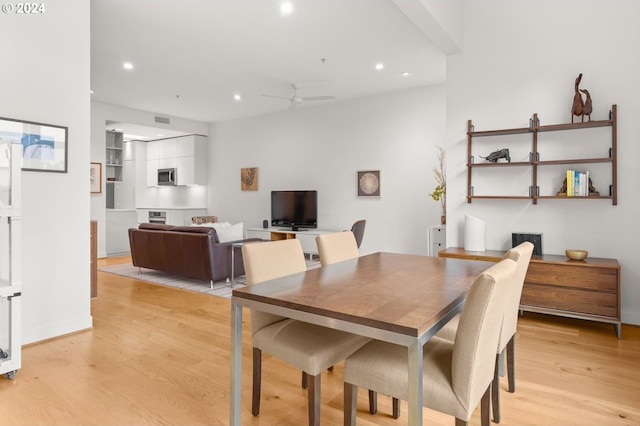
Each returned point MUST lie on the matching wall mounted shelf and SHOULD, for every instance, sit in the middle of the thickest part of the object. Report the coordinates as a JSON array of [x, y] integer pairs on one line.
[[535, 163]]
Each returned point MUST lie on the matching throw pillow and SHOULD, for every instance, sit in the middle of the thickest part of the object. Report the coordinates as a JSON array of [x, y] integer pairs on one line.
[[229, 232]]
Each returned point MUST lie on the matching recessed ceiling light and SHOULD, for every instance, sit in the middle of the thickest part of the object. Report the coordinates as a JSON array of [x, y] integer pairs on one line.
[[127, 66], [379, 66], [286, 7], [237, 97], [406, 74]]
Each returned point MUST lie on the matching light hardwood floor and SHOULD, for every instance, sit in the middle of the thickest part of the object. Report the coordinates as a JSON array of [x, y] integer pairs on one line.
[[158, 355]]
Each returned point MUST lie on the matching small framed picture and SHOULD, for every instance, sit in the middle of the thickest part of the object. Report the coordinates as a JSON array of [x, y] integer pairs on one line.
[[249, 179], [368, 183], [44, 146], [95, 178]]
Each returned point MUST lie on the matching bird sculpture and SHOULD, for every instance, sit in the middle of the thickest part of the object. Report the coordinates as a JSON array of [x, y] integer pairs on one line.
[[588, 106], [578, 104]]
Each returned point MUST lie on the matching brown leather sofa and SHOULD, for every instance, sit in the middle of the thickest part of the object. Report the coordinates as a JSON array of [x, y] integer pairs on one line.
[[190, 251]]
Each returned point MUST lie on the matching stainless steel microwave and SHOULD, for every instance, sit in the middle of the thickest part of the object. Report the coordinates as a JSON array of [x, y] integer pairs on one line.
[[167, 177]]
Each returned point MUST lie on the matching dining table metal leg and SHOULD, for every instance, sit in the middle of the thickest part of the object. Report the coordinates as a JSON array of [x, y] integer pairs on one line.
[[415, 383]]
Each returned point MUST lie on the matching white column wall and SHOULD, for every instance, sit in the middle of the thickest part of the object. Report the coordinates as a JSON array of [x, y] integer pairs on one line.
[[45, 78], [322, 148], [522, 57]]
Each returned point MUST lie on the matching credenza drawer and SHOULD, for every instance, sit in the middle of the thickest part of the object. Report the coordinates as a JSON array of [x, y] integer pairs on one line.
[[576, 276], [570, 299]]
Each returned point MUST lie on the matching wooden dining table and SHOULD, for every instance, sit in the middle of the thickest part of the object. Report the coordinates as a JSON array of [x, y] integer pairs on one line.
[[399, 298]]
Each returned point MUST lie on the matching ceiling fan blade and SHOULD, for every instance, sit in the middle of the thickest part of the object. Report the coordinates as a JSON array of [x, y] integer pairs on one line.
[[277, 97], [318, 98]]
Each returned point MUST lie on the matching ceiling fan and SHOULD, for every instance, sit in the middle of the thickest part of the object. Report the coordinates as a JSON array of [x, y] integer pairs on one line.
[[296, 100]]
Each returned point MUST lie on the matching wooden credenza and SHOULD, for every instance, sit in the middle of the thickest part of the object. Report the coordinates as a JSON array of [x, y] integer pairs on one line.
[[585, 289]]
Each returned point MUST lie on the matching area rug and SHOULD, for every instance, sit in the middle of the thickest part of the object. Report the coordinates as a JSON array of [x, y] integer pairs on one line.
[[220, 288]]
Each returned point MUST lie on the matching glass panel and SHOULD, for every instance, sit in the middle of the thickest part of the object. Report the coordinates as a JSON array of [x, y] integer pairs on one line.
[[4, 329], [5, 173], [5, 252]]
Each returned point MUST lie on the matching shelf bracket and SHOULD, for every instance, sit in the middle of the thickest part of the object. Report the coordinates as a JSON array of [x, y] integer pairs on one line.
[[532, 193]]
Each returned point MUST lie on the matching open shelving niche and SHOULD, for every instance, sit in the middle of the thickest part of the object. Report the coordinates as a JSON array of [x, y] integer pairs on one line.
[[534, 162], [114, 156]]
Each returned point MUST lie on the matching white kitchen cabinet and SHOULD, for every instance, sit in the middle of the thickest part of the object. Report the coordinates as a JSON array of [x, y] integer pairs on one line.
[[118, 224], [186, 172], [191, 160], [167, 148], [152, 172], [153, 150], [187, 154]]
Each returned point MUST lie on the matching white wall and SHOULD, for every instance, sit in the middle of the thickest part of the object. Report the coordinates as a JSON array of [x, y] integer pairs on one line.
[[45, 78], [154, 197], [322, 148], [522, 57]]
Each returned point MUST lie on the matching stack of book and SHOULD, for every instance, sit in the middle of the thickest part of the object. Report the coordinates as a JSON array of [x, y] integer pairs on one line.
[[577, 183]]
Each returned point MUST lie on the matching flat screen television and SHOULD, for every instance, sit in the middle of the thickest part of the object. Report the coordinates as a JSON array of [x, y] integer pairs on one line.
[[294, 209]]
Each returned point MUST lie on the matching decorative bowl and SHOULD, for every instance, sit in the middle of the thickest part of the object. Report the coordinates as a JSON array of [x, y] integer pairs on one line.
[[576, 254]]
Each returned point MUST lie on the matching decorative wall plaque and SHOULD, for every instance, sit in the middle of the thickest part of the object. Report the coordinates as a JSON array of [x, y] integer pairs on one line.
[[249, 179], [368, 183]]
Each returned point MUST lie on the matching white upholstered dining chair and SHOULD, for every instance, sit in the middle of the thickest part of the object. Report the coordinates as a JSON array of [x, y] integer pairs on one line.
[[520, 254], [336, 247], [456, 375], [309, 347]]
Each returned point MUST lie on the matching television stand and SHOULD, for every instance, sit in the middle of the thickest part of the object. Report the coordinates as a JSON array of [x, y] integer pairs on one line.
[[307, 236]]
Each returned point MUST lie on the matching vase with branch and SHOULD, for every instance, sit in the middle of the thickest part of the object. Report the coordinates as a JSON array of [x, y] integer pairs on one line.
[[440, 191]]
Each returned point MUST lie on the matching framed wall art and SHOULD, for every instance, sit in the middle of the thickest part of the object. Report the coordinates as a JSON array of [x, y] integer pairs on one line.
[[95, 178], [249, 179], [368, 183], [44, 146]]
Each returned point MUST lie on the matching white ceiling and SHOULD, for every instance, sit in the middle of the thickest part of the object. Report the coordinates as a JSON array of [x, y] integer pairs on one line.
[[191, 57]]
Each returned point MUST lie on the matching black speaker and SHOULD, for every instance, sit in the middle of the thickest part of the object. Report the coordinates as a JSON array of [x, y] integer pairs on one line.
[[265, 224], [535, 239]]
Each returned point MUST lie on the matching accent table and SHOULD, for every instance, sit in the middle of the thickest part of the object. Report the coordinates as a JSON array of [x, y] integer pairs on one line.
[[398, 298]]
